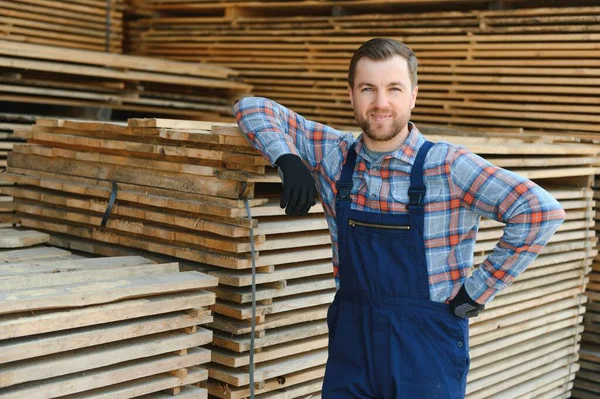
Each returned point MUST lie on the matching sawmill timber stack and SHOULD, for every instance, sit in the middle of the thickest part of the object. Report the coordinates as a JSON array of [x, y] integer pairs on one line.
[[587, 383], [73, 327], [48, 75], [38, 81], [81, 24], [520, 68], [181, 190]]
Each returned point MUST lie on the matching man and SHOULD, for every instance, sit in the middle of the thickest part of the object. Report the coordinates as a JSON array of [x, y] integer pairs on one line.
[[403, 214]]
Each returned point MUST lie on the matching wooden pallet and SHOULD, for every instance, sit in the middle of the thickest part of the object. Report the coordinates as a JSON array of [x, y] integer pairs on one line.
[[101, 327]]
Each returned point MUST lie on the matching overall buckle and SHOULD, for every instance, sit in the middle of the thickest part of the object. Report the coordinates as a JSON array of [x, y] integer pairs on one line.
[[416, 196], [343, 190]]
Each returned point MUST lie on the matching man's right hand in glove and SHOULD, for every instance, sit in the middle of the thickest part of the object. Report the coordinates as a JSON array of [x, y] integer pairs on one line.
[[298, 185]]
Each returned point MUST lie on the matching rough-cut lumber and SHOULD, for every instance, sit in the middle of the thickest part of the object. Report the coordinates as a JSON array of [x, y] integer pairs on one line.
[[16, 238], [533, 325], [91, 24], [106, 376], [102, 328], [514, 69]]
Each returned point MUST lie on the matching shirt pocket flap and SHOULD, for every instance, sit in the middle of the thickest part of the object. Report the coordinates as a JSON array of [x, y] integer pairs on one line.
[[434, 189]]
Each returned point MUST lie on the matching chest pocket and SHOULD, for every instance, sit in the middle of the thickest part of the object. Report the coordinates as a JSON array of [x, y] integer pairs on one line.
[[399, 191]]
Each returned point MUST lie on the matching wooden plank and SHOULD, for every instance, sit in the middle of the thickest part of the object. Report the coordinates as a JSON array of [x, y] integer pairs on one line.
[[482, 358], [294, 302], [233, 359], [93, 71], [16, 238], [501, 311], [554, 381], [142, 229], [277, 336], [145, 386], [204, 255], [270, 369], [211, 257], [106, 376], [292, 287], [187, 392], [174, 124], [527, 371], [181, 168], [39, 322], [28, 268], [112, 60], [48, 344], [236, 278], [558, 348], [217, 389], [32, 253], [99, 356], [125, 145], [480, 348], [310, 389], [76, 295], [519, 318], [189, 202], [20, 282], [166, 180]]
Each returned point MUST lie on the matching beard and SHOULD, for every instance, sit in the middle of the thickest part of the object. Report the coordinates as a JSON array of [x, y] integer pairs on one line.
[[377, 131]]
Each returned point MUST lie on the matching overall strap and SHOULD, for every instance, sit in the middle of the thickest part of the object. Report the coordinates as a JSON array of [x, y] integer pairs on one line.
[[416, 191], [344, 184]]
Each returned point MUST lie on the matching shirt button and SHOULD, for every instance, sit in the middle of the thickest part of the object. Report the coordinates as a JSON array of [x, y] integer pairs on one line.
[[332, 334], [460, 344]]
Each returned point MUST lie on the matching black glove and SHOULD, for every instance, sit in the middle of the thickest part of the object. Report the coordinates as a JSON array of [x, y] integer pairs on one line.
[[298, 185], [463, 306]]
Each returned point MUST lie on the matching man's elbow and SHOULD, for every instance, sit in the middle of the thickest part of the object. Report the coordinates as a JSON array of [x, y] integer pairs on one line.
[[557, 214], [246, 104], [556, 211]]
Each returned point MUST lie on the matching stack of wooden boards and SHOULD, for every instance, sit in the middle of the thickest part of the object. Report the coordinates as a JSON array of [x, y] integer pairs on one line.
[[526, 68], [119, 327], [83, 24], [180, 188], [587, 383], [55, 76], [294, 7], [9, 122]]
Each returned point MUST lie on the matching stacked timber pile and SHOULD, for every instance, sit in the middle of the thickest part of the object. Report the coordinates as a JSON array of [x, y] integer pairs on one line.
[[119, 327], [587, 384], [525, 68], [295, 7], [83, 24], [48, 75], [36, 79], [8, 123], [180, 189]]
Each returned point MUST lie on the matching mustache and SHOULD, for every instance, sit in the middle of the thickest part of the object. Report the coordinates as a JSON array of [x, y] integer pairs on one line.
[[381, 111]]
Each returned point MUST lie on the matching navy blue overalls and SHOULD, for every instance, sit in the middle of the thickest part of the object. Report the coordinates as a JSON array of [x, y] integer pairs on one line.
[[386, 338]]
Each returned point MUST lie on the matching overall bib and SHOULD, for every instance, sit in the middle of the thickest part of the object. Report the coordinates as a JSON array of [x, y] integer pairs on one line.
[[386, 338]]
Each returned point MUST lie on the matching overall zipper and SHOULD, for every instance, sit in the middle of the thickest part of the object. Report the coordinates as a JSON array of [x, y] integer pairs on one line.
[[354, 223]]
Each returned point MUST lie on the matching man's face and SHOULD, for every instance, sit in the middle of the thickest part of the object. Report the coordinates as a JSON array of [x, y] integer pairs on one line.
[[382, 97]]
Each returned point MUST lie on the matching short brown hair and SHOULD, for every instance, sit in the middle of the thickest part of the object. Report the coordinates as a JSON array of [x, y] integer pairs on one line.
[[381, 49]]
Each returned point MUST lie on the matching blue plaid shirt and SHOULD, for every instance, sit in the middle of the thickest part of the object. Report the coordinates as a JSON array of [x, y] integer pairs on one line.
[[461, 187]]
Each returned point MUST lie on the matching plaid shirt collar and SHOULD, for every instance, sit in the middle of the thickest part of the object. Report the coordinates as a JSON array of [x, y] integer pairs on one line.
[[407, 152]]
